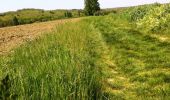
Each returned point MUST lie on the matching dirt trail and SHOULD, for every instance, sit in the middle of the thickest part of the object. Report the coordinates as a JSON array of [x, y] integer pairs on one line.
[[11, 37]]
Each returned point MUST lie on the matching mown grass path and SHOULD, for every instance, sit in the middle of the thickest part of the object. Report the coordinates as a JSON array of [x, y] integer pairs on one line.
[[137, 63]]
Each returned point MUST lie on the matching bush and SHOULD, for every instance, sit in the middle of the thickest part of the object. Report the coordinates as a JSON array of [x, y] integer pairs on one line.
[[15, 21], [105, 12], [156, 19], [68, 14], [138, 13]]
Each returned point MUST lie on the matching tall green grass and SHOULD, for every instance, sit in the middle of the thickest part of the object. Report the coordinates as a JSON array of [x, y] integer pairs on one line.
[[63, 65]]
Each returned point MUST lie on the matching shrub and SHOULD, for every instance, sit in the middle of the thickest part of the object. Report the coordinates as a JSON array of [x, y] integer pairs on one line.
[[68, 14], [138, 13], [105, 12], [155, 20], [15, 21]]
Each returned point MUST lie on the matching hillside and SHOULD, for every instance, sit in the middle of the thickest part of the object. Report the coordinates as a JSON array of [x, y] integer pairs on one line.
[[121, 56], [28, 16]]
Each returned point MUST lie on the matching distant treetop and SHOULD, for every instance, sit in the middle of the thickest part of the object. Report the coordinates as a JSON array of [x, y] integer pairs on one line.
[[91, 6]]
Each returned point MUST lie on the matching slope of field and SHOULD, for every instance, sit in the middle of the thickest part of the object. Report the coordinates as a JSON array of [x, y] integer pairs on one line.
[[96, 58], [10, 37]]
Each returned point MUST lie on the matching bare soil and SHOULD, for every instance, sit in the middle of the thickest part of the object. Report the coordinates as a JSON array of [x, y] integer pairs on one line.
[[12, 37]]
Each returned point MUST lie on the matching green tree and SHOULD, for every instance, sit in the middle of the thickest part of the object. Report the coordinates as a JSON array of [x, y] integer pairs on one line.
[[15, 21], [68, 14], [91, 6], [1, 23]]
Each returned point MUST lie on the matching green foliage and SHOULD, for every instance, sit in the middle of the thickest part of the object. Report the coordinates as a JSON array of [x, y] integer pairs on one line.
[[138, 13], [91, 7], [5, 88], [15, 21], [27, 16], [105, 12], [156, 20], [68, 14]]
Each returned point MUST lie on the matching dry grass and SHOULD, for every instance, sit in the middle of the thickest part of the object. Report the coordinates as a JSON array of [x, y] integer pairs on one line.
[[161, 37], [11, 37]]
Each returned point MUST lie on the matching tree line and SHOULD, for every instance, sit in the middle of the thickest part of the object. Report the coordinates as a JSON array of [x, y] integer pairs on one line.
[[27, 16]]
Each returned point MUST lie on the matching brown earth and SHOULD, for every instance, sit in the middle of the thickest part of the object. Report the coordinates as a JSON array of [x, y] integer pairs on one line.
[[12, 37]]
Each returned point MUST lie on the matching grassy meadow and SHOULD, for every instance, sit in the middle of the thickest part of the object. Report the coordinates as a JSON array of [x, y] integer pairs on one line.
[[113, 57]]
